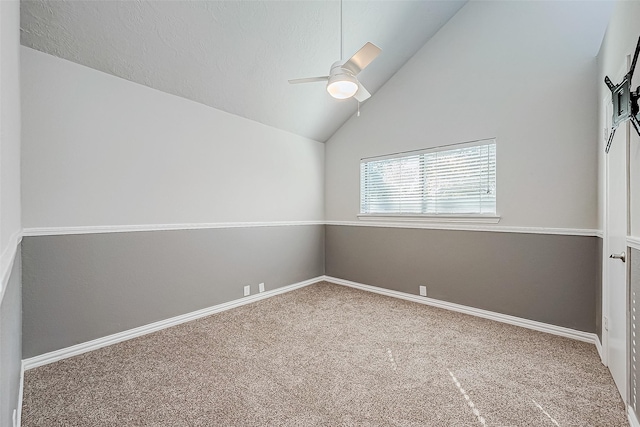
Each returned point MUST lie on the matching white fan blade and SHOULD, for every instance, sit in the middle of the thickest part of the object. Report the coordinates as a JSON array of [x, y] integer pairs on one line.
[[309, 80], [362, 58], [362, 94]]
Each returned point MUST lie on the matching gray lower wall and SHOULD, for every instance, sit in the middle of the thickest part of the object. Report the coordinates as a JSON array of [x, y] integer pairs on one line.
[[10, 344], [82, 287], [547, 278], [599, 288]]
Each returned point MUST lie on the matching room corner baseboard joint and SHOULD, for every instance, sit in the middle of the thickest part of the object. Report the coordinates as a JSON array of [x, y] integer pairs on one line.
[[81, 348], [78, 349]]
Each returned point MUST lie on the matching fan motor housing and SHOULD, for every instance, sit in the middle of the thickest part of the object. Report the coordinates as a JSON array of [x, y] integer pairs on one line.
[[342, 83], [339, 73]]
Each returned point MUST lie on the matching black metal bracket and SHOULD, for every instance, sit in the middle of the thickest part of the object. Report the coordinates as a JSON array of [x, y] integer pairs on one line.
[[625, 101]]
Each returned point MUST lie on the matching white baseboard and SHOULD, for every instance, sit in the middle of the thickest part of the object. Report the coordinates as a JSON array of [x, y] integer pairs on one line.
[[77, 349], [20, 394], [633, 420], [599, 348], [498, 317]]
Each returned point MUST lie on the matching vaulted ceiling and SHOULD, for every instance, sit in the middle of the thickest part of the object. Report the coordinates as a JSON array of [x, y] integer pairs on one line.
[[237, 56]]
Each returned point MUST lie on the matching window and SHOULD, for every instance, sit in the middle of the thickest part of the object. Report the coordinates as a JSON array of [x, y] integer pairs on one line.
[[453, 180]]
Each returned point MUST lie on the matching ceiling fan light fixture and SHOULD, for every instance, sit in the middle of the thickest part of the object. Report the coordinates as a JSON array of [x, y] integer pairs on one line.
[[342, 86]]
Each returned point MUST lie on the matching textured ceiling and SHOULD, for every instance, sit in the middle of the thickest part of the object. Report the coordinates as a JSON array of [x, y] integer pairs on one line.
[[237, 55]]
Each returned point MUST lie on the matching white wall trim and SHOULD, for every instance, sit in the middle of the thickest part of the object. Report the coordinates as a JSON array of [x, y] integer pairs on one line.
[[85, 347], [633, 420], [498, 317], [77, 349], [20, 394], [470, 227], [7, 259], [633, 242], [599, 348], [54, 356], [92, 229]]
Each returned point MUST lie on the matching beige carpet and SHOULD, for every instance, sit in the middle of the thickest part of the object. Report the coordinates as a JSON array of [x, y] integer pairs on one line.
[[327, 355]]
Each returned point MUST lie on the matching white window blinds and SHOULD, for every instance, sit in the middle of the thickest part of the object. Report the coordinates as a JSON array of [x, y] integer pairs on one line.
[[446, 180]]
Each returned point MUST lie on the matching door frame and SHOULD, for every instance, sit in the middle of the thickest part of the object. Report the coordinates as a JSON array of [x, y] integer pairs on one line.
[[608, 111], [606, 250]]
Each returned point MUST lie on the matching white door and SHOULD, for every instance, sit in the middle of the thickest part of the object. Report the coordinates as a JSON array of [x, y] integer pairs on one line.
[[614, 245]]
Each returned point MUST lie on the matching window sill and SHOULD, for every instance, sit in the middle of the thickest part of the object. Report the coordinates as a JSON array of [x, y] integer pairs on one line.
[[460, 219]]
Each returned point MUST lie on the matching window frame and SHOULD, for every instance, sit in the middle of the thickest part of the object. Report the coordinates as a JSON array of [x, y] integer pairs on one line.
[[479, 218]]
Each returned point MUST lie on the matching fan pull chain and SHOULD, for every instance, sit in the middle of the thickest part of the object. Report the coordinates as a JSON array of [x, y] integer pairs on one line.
[[358, 108]]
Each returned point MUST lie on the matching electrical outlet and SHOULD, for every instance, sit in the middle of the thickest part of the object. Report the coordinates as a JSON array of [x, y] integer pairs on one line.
[[247, 290], [606, 324], [261, 287], [423, 291]]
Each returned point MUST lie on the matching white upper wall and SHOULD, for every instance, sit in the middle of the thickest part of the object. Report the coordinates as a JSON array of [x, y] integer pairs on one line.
[[620, 40], [9, 131], [99, 150], [517, 71]]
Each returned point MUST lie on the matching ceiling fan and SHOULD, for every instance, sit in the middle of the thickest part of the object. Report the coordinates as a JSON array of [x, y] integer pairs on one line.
[[342, 82]]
